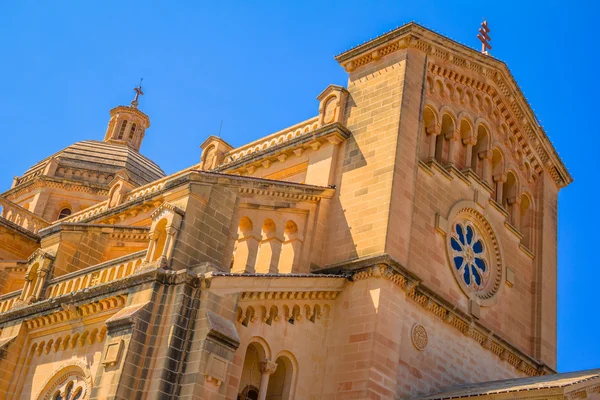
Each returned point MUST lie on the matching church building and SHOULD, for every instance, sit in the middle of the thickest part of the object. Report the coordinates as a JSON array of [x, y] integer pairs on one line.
[[400, 244]]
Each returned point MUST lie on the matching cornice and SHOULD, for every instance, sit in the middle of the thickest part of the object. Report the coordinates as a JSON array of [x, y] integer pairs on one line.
[[439, 47], [131, 110], [383, 266]]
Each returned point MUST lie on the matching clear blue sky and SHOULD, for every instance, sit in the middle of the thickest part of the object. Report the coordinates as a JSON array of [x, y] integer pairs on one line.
[[259, 66]]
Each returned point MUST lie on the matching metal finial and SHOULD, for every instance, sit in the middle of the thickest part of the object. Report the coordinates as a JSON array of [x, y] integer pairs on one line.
[[138, 92], [484, 38]]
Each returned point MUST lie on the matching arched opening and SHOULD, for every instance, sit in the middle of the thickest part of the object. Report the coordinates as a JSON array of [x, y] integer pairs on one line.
[[480, 149], [509, 195], [245, 248], [466, 137], [290, 249], [442, 140], [122, 130], [64, 212], [269, 249], [251, 374], [160, 232], [132, 131], [429, 134], [526, 221], [280, 382], [497, 174]]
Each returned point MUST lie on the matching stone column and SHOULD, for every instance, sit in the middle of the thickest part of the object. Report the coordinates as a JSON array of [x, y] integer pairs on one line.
[[267, 368], [454, 139], [515, 212], [486, 159], [151, 246], [41, 280], [499, 181], [433, 133], [470, 142]]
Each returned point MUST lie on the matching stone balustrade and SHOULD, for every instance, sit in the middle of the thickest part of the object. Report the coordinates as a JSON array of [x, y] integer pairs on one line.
[[8, 300], [21, 216], [272, 140], [97, 275]]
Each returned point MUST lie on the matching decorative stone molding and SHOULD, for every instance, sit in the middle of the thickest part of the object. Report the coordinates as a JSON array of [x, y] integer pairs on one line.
[[332, 103], [75, 371], [505, 93], [384, 267], [465, 216]]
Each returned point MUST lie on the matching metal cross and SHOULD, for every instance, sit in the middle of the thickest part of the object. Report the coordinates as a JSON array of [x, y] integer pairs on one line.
[[138, 92], [484, 38]]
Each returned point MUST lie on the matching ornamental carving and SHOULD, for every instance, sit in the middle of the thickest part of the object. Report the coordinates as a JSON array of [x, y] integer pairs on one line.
[[419, 337]]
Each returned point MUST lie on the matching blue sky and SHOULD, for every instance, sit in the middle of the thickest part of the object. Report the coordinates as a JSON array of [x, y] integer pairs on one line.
[[258, 66]]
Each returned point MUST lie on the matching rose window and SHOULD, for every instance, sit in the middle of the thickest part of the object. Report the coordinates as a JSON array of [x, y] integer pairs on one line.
[[469, 255]]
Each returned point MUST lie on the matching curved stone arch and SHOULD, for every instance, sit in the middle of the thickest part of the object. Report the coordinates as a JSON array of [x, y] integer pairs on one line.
[[447, 110], [439, 87], [429, 83], [475, 211], [63, 372], [466, 117], [264, 345], [295, 366]]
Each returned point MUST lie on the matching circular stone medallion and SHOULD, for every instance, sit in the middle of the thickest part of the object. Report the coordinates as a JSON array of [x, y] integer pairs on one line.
[[419, 337]]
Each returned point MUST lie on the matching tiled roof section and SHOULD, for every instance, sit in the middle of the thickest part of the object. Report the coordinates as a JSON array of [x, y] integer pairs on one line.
[[556, 381], [104, 157]]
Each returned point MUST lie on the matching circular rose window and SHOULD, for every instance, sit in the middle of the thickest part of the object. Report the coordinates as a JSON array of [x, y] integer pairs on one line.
[[474, 254], [468, 255]]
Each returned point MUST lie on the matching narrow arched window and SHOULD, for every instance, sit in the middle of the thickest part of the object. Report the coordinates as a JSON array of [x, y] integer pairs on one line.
[[65, 212], [122, 130], [132, 131]]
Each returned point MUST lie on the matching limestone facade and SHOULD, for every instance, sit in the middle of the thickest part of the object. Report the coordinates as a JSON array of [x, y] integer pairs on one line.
[[400, 243]]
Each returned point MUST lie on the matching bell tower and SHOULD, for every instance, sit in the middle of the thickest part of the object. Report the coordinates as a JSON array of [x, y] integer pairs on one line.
[[127, 124]]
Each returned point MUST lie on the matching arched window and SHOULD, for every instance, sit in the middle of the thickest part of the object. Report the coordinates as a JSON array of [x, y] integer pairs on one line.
[[65, 212], [251, 374], [497, 174], [246, 248], [429, 134], [269, 249], [509, 196], [441, 151], [281, 381], [290, 249], [122, 130], [132, 131], [249, 393], [479, 152]]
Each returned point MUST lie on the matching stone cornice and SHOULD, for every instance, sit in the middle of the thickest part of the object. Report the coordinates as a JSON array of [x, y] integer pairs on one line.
[[61, 183], [439, 47], [117, 231], [131, 110], [383, 266]]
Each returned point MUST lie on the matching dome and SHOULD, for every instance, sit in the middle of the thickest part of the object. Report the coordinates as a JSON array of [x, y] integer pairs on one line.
[[97, 163]]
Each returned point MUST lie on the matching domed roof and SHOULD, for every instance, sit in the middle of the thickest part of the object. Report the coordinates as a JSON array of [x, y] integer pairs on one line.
[[97, 162]]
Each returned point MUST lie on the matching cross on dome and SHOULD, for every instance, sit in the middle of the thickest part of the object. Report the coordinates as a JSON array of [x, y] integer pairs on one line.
[[138, 92]]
